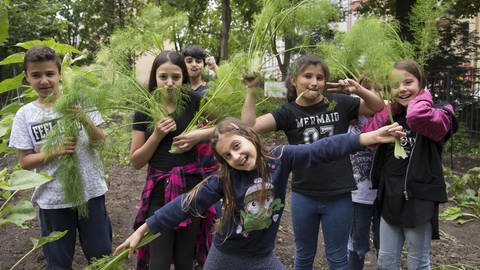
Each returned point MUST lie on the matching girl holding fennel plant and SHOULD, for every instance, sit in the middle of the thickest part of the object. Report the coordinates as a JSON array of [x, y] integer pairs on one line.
[[312, 114], [57, 212], [410, 190], [252, 182], [169, 175]]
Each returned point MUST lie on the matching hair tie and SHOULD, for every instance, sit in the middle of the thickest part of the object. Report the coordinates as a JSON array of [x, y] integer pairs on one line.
[[234, 126]]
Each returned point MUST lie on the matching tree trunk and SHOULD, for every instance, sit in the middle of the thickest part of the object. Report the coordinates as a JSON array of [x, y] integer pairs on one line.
[[226, 20]]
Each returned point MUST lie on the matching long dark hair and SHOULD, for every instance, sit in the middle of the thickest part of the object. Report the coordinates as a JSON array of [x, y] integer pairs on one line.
[[164, 57], [298, 67], [234, 126]]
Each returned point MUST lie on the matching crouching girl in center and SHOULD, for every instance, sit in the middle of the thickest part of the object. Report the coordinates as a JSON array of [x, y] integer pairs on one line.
[[252, 183]]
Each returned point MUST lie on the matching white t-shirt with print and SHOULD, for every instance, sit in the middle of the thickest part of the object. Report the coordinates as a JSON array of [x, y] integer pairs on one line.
[[29, 129]]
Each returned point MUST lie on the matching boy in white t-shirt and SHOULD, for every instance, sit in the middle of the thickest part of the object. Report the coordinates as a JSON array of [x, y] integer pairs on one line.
[[42, 69]]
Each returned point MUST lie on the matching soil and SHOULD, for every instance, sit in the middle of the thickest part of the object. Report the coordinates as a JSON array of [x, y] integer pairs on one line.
[[459, 247]]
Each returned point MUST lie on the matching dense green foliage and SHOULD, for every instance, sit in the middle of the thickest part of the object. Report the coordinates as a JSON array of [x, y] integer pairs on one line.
[[464, 191]]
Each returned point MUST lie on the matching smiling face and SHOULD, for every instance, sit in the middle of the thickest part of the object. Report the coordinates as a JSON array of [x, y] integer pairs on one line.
[[194, 66], [407, 87], [169, 75], [312, 80], [44, 77], [237, 151]]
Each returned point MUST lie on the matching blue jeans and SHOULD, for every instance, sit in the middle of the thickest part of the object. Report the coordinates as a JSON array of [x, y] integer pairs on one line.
[[418, 241], [335, 214], [95, 233], [365, 217]]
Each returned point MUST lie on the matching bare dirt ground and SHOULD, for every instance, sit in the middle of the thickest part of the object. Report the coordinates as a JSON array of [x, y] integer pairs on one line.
[[459, 247]]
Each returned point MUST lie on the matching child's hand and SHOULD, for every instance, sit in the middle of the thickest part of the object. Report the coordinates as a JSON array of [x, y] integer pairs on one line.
[[211, 64], [185, 142], [164, 126], [347, 86], [133, 240], [67, 146], [252, 81], [131, 243], [386, 134]]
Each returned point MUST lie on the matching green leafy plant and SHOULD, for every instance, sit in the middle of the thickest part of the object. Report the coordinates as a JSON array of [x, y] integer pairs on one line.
[[423, 24], [11, 184], [114, 263], [38, 243], [464, 193], [227, 91], [372, 53]]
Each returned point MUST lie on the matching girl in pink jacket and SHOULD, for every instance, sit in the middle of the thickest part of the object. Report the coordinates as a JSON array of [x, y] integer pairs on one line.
[[410, 189]]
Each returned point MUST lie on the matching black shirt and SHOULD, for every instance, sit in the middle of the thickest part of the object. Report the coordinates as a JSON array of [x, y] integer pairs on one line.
[[304, 125], [161, 158], [395, 209]]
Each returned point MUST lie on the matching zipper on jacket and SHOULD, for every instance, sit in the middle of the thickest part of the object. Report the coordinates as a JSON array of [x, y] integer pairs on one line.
[[405, 193]]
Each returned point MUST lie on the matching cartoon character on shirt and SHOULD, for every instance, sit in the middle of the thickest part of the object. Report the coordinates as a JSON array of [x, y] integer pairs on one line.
[[257, 213]]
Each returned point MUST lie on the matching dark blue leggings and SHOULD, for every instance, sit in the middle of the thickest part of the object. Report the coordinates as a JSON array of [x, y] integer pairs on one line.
[[95, 233]]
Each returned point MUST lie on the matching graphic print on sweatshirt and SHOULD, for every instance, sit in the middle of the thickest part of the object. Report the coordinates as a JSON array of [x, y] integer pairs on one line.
[[408, 141], [258, 210]]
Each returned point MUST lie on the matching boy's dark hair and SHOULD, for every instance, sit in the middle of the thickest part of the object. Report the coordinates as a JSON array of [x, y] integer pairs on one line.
[[413, 68], [41, 53], [299, 66], [195, 51], [164, 57]]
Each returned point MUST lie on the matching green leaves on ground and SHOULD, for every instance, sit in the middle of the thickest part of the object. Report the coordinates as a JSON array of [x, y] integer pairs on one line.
[[38, 243], [464, 192]]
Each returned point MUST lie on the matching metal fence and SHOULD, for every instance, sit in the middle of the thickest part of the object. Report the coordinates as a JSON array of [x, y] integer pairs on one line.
[[461, 88]]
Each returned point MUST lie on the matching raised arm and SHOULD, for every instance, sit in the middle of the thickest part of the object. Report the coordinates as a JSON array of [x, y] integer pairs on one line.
[[426, 120], [262, 124]]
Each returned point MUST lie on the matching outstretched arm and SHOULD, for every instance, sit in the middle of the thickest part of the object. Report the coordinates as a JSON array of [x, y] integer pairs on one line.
[[370, 100], [132, 241], [186, 141], [337, 146], [176, 211]]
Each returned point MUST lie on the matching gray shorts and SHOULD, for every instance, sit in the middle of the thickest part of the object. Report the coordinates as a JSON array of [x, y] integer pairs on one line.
[[218, 260]]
